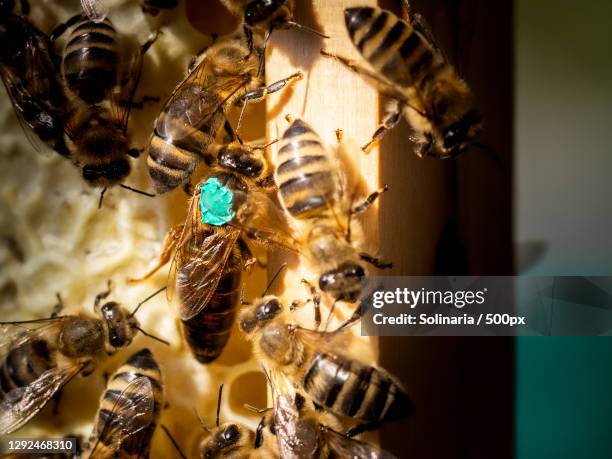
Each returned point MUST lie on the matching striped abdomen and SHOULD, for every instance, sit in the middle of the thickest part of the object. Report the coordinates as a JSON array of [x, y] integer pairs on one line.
[[353, 389], [186, 127], [207, 333], [91, 60], [23, 365], [137, 445], [305, 175], [391, 45]]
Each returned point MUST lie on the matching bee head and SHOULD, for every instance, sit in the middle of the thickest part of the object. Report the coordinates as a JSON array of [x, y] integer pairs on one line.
[[344, 282], [226, 440], [267, 13], [457, 137], [242, 160], [119, 325], [262, 311]]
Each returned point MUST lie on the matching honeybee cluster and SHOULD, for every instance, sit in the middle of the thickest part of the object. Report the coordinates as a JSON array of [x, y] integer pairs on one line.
[[75, 90]]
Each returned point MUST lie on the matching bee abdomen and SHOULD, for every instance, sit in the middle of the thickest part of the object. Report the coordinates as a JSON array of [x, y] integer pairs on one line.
[[90, 62], [23, 365], [140, 364], [391, 45], [352, 389], [169, 166], [207, 333], [304, 175]]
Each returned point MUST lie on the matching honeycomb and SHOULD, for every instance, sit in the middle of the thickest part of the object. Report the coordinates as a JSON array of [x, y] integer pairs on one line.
[[54, 239]]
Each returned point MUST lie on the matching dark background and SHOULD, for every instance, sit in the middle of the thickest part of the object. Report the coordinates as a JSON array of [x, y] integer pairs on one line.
[[456, 220]]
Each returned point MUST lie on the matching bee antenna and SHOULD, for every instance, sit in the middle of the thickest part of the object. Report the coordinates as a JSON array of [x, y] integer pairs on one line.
[[145, 300], [156, 338], [306, 28], [202, 425], [219, 404], [144, 193], [490, 152], [255, 409], [283, 266], [101, 197], [173, 441]]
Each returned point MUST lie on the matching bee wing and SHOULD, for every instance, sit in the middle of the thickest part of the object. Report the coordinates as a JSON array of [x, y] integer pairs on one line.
[[262, 218], [195, 103], [347, 447], [19, 96], [132, 411], [93, 10], [419, 24], [40, 77], [199, 263], [15, 334], [286, 416], [23, 403], [332, 343]]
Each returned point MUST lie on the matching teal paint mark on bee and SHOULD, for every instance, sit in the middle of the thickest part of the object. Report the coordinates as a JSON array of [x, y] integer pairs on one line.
[[216, 203]]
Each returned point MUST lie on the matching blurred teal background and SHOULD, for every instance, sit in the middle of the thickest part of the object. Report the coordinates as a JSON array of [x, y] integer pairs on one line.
[[563, 132]]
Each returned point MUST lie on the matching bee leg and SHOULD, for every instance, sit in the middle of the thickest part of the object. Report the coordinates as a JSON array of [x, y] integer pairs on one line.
[[367, 202], [88, 369], [316, 301], [103, 295], [60, 29], [170, 242], [315, 298], [360, 428], [376, 262], [265, 237], [173, 441], [259, 94], [188, 188], [406, 10], [267, 183], [58, 307], [392, 117]]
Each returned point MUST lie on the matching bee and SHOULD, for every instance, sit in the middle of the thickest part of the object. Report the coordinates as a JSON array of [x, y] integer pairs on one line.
[[101, 92], [304, 432], [264, 16], [29, 71], [411, 69], [316, 364], [129, 410], [224, 74], [228, 207], [312, 192], [236, 441], [38, 362]]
